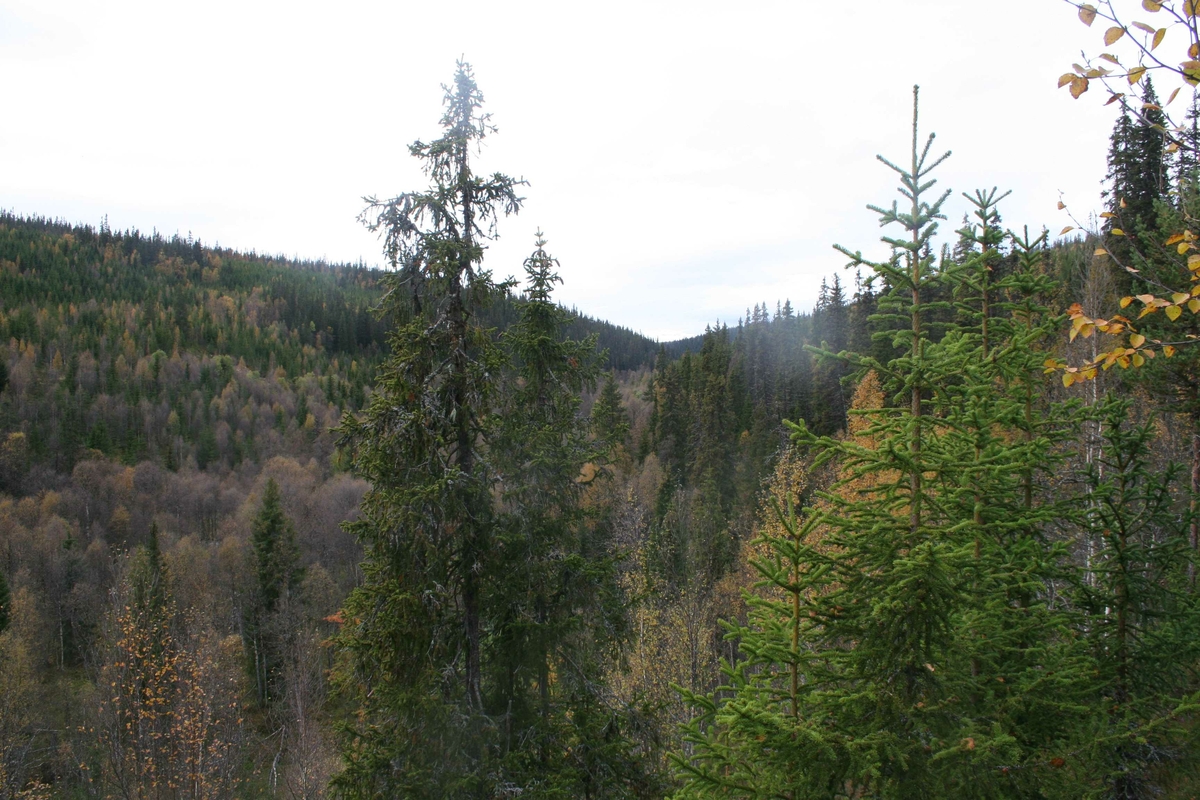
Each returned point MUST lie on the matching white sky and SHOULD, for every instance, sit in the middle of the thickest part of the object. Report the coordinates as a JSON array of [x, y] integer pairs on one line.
[[686, 159]]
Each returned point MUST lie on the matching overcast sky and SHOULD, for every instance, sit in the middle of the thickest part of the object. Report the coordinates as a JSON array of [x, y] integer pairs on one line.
[[685, 159]]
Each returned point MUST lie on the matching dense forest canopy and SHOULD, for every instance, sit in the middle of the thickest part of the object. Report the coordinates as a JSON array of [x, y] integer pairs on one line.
[[271, 527]]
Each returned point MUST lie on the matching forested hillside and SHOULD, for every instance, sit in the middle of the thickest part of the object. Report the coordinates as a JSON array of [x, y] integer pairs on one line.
[[279, 528], [151, 390]]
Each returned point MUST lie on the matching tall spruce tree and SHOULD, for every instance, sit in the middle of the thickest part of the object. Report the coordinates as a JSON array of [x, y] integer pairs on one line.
[[415, 631], [476, 645], [610, 419], [1137, 171], [275, 562], [5, 603], [556, 610]]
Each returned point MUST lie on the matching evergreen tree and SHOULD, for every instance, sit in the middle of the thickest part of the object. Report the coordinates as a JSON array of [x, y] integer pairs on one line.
[[906, 648], [148, 584], [1137, 173], [610, 420], [1142, 622], [5, 603], [277, 571], [415, 650], [1149, 180], [1187, 165], [555, 606], [830, 327]]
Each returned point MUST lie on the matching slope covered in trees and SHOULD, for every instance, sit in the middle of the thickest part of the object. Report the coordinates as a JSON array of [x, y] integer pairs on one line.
[[160, 394]]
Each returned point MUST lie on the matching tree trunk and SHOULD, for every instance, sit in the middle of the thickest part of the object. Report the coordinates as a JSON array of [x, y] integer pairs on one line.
[[1195, 529]]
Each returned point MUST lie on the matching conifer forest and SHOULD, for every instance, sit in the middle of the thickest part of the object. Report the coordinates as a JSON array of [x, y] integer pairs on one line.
[[272, 527]]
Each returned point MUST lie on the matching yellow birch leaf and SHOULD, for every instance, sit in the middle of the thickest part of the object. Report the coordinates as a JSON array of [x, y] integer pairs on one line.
[[1065, 78], [1173, 312], [1078, 87], [1137, 340], [1066, 230], [1178, 237], [1147, 310], [1072, 334], [1110, 58], [1125, 301], [1138, 360], [1113, 34], [1168, 351], [1191, 7], [1153, 6], [1173, 147], [1144, 27], [1087, 14], [1100, 251], [1174, 94], [1136, 74], [1118, 232], [1179, 298], [1158, 37], [1194, 261], [1182, 247], [1107, 215], [1191, 71], [1193, 52], [1196, 290], [1068, 379], [1194, 305]]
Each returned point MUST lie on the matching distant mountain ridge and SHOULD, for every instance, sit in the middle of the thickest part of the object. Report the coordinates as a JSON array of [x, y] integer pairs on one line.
[[627, 348]]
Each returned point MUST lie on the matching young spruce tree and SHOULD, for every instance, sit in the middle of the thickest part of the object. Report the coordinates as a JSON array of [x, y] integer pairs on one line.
[[907, 650]]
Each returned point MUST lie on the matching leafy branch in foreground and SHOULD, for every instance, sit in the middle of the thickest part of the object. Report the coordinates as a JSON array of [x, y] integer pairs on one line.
[[1145, 39], [1133, 347], [1159, 277]]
